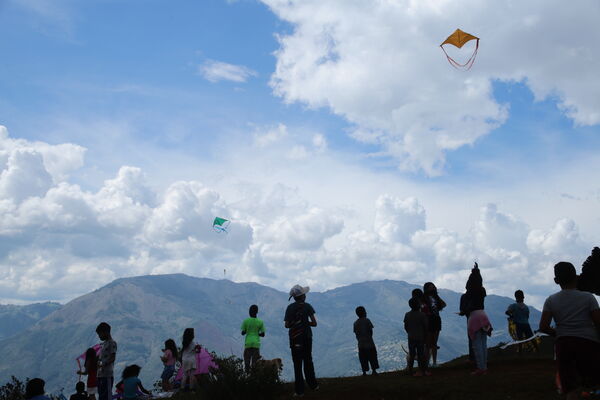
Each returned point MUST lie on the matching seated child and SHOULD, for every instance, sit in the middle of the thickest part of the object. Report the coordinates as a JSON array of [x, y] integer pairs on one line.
[[80, 394], [132, 386]]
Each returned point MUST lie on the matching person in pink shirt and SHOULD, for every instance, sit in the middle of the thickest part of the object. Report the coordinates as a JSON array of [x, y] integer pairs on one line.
[[168, 358]]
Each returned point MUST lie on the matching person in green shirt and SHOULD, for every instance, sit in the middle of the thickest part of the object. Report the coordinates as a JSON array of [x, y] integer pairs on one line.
[[254, 329]]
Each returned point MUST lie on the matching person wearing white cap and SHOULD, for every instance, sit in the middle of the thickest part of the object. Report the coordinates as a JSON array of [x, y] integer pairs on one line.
[[299, 318]]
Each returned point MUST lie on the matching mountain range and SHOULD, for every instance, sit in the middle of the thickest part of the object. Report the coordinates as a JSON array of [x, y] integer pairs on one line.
[[145, 311], [15, 319]]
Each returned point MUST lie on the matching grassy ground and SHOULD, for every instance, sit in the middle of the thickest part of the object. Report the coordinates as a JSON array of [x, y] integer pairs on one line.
[[527, 379], [511, 376]]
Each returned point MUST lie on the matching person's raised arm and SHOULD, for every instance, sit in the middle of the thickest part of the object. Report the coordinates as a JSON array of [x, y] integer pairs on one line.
[[442, 304], [545, 324]]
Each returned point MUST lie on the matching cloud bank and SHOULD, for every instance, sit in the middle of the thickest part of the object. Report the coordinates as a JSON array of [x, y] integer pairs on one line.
[[58, 240]]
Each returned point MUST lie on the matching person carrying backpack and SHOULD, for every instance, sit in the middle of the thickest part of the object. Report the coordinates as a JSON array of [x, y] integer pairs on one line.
[[299, 318]]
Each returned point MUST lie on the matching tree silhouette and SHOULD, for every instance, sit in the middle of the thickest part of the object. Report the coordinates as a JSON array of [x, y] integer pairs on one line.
[[589, 280]]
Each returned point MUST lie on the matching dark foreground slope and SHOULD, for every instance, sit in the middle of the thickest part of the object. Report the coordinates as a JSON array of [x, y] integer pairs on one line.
[[511, 376]]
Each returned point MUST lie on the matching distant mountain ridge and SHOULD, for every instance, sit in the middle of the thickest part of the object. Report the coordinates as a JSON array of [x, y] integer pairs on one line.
[[146, 310], [15, 319]]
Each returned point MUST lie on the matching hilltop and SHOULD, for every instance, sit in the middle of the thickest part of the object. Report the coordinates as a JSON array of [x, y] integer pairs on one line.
[[511, 376]]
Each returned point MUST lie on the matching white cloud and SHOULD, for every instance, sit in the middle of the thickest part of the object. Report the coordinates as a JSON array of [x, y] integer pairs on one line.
[[379, 65], [54, 233], [215, 71]]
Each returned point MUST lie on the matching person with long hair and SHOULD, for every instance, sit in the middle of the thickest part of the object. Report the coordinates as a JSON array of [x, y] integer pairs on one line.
[[90, 369], [189, 348], [168, 358], [435, 304]]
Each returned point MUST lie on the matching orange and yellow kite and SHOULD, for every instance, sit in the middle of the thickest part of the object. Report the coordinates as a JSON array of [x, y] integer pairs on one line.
[[458, 39]]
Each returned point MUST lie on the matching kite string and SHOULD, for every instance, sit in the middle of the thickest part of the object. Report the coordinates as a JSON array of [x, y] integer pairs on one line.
[[537, 335]]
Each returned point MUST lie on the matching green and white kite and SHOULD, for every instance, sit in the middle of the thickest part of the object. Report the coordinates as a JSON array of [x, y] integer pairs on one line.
[[220, 224]]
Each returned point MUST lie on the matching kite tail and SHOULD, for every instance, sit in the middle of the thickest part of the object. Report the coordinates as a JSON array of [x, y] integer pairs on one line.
[[534, 337], [466, 66]]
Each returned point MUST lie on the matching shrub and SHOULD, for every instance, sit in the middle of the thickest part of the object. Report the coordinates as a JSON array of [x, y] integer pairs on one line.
[[13, 390], [232, 383]]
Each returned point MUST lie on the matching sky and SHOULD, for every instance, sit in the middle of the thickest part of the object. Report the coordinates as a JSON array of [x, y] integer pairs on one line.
[[333, 134]]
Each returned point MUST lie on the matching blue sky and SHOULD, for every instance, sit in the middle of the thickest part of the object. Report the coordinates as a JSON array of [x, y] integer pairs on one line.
[[323, 117]]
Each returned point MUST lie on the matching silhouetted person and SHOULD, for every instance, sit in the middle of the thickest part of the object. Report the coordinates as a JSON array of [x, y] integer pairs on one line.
[[577, 331], [91, 369], [416, 327], [108, 355], [254, 329], [367, 352], [519, 313], [472, 300], [80, 393], [435, 304], [299, 318], [35, 390]]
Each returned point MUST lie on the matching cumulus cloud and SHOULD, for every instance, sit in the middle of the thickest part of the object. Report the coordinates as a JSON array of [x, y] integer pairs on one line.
[[59, 240], [378, 64], [215, 71]]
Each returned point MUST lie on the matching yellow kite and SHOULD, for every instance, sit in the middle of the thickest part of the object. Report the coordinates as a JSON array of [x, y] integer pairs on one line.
[[458, 39]]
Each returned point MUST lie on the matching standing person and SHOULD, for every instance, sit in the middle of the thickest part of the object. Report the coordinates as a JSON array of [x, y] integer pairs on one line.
[[367, 352], [299, 318], [168, 358], [577, 331], [254, 329], [472, 300], [519, 313], [479, 327], [132, 383], [91, 369], [80, 393], [416, 327], [35, 390], [189, 349], [108, 355], [435, 304]]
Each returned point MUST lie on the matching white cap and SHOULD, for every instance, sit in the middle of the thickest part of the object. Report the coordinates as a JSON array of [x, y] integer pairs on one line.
[[298, 290]]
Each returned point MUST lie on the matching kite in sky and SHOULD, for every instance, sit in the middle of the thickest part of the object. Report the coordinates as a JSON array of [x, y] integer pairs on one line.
[[458, 39], [220, 224]]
